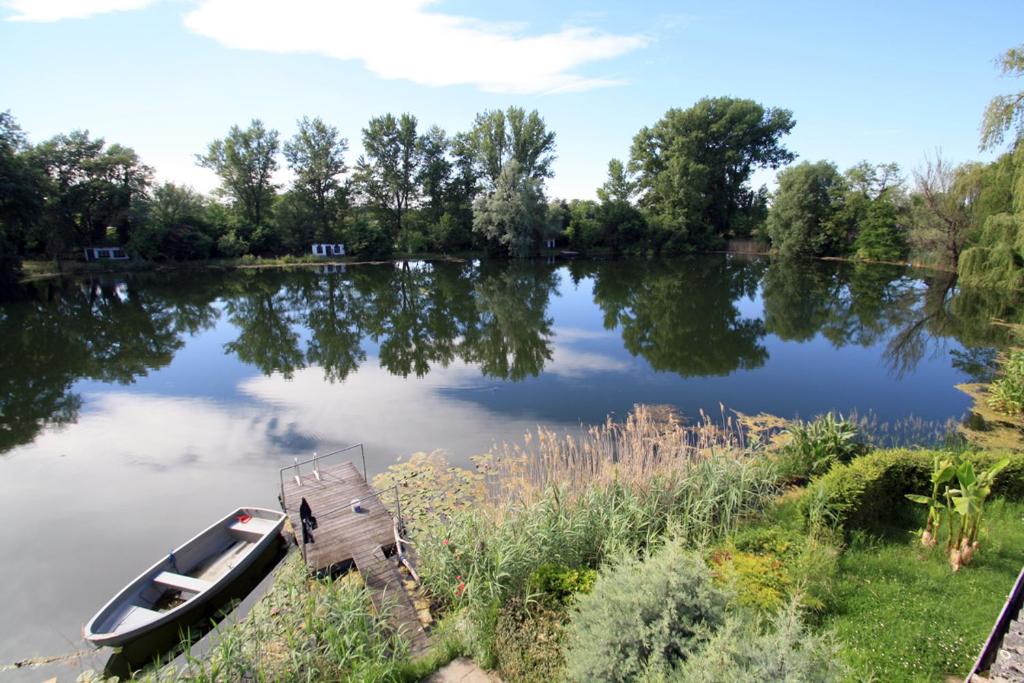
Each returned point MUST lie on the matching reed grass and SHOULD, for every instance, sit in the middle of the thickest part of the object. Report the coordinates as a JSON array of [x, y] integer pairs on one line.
[[651, 442], [615, 490], [303, 630]]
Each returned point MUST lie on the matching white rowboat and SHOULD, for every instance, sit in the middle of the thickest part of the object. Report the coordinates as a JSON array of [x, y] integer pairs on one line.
[[189, 577]]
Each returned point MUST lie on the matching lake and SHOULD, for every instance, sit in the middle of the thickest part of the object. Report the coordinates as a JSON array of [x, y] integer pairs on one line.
[[136, 409]]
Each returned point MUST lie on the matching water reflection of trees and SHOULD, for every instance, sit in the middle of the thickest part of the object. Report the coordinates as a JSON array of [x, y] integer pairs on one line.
[[419, 316], [683, 316], [847, 304], [263, 311], [686, 316], [914, 312], [944, 311], [58, 333]]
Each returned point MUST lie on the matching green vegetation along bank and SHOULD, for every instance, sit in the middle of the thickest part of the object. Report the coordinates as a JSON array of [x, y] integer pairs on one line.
[[650, 550]]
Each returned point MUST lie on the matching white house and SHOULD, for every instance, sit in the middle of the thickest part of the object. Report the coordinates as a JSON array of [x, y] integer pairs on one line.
[[328, 250], [105, 253]]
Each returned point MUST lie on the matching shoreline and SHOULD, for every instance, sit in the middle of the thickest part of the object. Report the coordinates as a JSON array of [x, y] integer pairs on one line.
[[33, 271], [36, 270]]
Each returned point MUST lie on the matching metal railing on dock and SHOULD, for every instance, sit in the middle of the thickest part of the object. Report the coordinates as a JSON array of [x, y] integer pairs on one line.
[[339, 506], [296, 467]]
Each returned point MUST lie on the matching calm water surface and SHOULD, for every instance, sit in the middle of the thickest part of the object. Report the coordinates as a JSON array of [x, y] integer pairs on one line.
[[134, 410]]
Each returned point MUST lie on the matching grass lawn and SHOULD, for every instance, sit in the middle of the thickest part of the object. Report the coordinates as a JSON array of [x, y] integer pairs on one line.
[[901, 614]]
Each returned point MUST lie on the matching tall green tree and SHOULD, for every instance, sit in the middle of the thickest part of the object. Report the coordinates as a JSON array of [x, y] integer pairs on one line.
[[800, 220], [622, 226], [619, 187], [500, 137], [316, 154], [385, 175], [69, 217], [512, 215], [558, 216], [127, 181], [693, 167], [175, 225], [872, 180], [996, 259], [871, 219], [942, 221], [881, 236], [88, 189], [584, 225], [435, 172], [454, 230], [1005, 113], [245, 160], [20, 198]]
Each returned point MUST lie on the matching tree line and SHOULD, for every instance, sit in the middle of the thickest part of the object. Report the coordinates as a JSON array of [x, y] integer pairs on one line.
[[412, 190], [966, 218], [685, 188]]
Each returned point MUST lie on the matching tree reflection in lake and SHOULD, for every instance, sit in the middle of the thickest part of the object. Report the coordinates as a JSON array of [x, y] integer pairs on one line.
[[697, 317], [513, 336], [262, 305], [419, 315], [682, 316], [101, 329]]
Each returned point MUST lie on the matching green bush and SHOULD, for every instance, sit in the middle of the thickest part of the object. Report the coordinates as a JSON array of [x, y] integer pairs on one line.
[[768, 540], [781, 650], [757, 581], [231, 245], [869, 492], [1006, 394], [814, 447], [529, 641], [367, 239], [561, 582], [644, 617], [767, 566]]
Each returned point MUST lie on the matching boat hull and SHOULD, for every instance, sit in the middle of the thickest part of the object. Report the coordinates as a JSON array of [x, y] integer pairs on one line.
[[182, 584]]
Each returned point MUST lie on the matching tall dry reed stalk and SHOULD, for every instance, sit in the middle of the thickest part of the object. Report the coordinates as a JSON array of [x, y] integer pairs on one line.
[[613, 491], [652, 442]]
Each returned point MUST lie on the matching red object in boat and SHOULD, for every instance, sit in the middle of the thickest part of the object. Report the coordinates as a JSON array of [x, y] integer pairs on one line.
[[244, 518]]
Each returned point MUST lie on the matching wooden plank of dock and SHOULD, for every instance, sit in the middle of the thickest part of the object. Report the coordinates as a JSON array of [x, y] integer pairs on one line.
[[344, 538], [340, 531], [389, 597]]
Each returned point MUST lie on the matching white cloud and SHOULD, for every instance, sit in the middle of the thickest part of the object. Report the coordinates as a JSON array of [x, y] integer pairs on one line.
[[572, 334], [402, 39], [55, 10], [573, 364], [439, 410]]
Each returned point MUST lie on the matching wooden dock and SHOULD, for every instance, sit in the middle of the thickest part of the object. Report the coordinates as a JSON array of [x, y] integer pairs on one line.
[[344, 539]]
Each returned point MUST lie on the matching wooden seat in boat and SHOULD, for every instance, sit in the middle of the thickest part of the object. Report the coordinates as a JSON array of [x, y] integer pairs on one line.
[[133, 616], [181, 582]]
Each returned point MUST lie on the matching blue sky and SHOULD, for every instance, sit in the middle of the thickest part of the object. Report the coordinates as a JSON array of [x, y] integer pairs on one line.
[[883, 81]]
